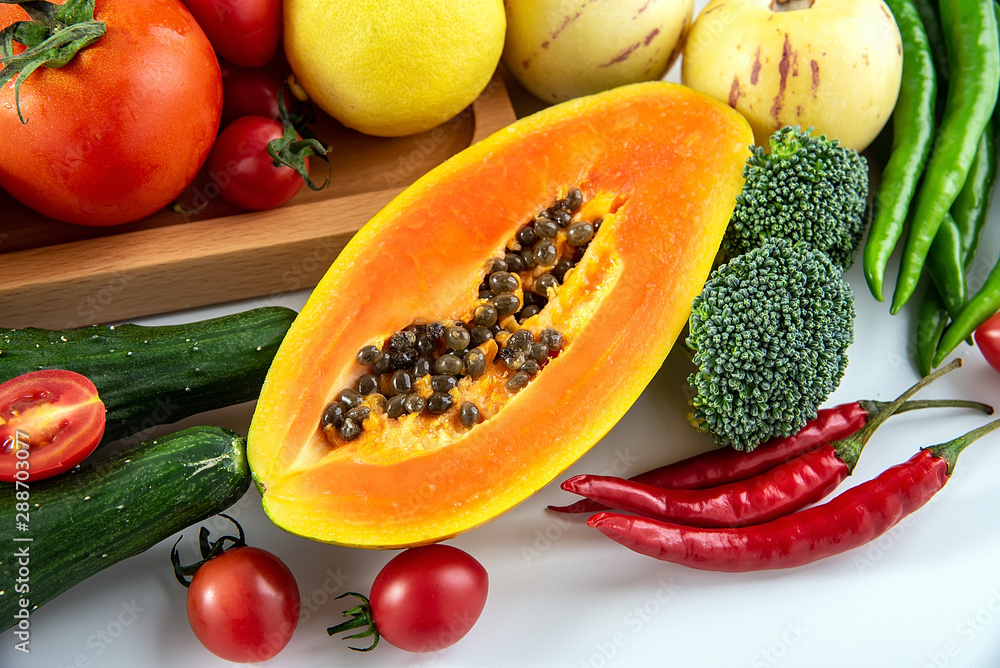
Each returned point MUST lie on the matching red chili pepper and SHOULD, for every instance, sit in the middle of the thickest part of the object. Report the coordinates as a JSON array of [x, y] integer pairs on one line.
[[855, 517], [726, 465], [764, 497], [778, 491]]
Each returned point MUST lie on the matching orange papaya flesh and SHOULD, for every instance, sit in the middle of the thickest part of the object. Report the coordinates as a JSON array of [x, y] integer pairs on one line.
[[658, 163]]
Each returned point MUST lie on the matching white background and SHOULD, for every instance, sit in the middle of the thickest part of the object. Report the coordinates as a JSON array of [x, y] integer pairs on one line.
[[925, 594]]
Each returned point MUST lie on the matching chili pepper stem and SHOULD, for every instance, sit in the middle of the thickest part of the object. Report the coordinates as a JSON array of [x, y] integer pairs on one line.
[[849, 449], [874, 407], [950, 450]]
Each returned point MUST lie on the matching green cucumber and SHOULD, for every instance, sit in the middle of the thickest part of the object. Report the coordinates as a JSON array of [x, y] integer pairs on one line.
[[157, 375], [91, 517]]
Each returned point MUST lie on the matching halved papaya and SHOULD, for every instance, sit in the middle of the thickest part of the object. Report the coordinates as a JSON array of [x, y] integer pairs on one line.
[[364, 435]]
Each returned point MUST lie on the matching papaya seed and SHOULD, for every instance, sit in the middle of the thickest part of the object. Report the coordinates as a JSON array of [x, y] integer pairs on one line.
[[579, 233], [503, 282], [457, 337], [402, 382], [526, 236], [334, 415], [358, 414], [443, 382], [349, 429], [350, 398], [506, 304], [518, 381], [468, 413], [485, 315], [448, 364], [369, 355], [396, 406], [546, 253], [367, 384], [439, 403], [546, 228], [414, 403]]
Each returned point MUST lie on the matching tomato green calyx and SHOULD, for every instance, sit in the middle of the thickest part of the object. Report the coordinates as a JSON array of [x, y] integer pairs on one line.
[[360, 615], [289, 150], [209, 550], [53, 36]]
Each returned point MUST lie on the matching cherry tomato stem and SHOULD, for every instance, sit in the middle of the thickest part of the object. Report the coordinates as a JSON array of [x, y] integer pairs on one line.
[[360, 617]]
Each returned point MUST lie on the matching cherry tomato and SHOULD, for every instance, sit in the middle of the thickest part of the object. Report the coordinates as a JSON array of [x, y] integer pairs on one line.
[[243, 605], [244, 32], [118, 132], [50, 421], [988, 340], [427, 598], [250, 92], [245, 174]]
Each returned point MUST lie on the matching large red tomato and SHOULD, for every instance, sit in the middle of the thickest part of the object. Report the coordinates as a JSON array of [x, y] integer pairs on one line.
[[121, 130]]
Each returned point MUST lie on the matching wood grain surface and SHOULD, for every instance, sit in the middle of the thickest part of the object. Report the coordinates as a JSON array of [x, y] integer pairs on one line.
[[61, 276]]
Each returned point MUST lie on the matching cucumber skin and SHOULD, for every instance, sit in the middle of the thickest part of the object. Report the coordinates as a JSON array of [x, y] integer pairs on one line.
[[161, 374], [98, 514]]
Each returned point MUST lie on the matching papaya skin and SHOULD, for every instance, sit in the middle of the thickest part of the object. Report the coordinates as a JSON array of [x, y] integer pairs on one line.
[[661, 162]]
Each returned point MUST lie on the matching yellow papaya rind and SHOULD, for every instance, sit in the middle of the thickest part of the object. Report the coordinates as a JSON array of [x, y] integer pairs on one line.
[[667, 158]]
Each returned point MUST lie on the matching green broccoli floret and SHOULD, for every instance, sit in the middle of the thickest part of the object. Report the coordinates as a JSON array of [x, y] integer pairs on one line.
[[808, 188], [769, 333]]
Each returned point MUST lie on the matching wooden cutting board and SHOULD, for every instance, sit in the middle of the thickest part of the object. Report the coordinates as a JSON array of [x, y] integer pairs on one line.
[[61, 276]]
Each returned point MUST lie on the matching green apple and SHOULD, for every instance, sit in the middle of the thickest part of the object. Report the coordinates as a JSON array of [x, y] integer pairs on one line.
[[834, 65]]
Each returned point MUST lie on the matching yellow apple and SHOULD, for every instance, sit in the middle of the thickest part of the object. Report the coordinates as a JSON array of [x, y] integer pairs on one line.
[[834, 65], [561, 49]]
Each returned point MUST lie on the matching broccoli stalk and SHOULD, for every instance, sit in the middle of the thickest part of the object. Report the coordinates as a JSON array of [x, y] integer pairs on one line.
[[769, 334], [808, 188]]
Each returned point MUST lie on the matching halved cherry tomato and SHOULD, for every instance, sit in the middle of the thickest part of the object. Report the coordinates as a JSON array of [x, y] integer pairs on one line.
[[424, 599], [988, 340], [244, 32], [50, 421]]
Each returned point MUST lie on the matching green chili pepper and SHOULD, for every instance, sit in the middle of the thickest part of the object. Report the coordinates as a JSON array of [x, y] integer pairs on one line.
[[928, 10], [932, 321], [970, 31], [954, 247], [970, 212], [981, 306], [913, 131], [946, 264], [972, 205]]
